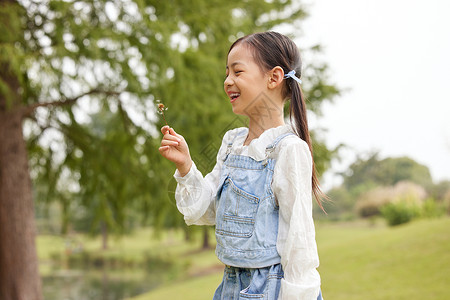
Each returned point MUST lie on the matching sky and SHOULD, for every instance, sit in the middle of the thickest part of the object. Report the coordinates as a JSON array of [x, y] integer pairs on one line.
[[392, 58]]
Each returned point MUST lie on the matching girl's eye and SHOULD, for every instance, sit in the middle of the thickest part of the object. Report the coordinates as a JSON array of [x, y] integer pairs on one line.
[[237, 72]]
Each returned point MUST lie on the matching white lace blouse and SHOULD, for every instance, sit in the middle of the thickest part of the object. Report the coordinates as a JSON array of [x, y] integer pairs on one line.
[[291, 185]]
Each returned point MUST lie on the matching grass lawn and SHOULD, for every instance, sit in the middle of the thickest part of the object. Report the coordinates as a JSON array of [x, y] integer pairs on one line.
[[193, 289], [358, 261], [411, 261]]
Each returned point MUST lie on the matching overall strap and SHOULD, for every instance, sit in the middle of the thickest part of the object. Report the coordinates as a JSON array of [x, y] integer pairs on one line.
[[271, 147], [278, 139], [230, 144]]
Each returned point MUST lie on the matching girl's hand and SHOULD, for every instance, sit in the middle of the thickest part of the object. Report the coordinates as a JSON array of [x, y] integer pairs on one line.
[[174, 148]]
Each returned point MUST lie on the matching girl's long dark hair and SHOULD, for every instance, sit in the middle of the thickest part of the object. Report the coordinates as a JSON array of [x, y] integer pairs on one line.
[[272, 49]]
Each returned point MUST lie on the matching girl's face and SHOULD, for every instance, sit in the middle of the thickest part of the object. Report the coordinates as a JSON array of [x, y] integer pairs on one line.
[[244, 81]]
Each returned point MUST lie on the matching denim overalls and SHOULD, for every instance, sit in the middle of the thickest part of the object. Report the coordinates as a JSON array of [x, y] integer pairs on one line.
[[247, 227]]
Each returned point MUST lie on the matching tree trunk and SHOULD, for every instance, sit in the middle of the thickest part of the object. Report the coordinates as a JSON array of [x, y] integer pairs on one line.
[[187, 234], [19, 275], [104, 230], [205, 238]]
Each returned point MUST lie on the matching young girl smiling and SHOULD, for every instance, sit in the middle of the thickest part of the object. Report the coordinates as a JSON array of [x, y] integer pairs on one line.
[[259, 194]]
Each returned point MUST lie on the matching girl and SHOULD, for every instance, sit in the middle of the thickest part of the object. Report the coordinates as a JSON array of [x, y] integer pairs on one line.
[[259, 194]]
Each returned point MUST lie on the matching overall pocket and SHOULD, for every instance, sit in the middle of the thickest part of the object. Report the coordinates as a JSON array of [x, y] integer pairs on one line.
[[265, 283], [236, 211]]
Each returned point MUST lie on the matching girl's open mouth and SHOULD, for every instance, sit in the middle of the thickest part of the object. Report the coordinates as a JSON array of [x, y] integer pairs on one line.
[[234, 96]]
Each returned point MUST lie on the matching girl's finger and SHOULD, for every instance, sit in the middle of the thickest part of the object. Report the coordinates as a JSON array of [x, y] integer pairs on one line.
[[163, 149], [172, 132], [171, 137], [166, 142], [164, 129]]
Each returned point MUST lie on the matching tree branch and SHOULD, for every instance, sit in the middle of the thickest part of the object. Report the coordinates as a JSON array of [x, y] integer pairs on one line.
[[68, 101]]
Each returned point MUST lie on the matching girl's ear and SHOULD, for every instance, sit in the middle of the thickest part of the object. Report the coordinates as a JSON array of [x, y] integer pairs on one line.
[[276, 76]]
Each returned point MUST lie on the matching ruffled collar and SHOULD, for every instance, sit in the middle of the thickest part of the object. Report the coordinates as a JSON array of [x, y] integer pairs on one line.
[[257, 147]]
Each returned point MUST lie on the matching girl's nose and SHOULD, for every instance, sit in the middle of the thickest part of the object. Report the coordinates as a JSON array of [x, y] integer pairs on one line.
[[228, 81]]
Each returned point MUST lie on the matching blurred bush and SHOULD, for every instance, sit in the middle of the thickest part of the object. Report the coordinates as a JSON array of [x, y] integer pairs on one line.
[[400, 212], [370, 203], [432, 209]]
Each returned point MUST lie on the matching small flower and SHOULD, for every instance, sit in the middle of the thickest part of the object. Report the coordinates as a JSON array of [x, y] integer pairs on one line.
[[161, 109]]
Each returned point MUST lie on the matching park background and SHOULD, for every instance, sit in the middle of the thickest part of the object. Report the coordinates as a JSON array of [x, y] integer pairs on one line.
[[78, 92]]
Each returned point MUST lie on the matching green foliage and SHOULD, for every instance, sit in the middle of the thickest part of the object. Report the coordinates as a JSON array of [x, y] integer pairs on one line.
[[399, 212], [368, 209], [440, 191], [432, 209], [399, 204], [370, 203], [90, 73], [322, 154], [339, 207], [386, 172], [447, 203], [372, 182]]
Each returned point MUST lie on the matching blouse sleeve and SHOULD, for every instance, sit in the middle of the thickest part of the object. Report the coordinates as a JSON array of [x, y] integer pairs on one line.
[[195, 194], [296, 242]]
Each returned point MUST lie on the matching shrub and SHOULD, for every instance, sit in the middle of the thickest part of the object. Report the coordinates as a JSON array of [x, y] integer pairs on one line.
[[370, 203], [432, 209], [368, 209], [399, 212]]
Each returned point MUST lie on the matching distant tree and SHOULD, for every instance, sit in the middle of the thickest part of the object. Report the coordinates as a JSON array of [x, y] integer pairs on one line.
[[369, 176], [84, 76], [340, 206], [364, 174], [440, 190]]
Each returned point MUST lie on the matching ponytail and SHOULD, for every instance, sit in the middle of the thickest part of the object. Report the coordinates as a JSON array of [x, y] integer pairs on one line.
[[297, 110]]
